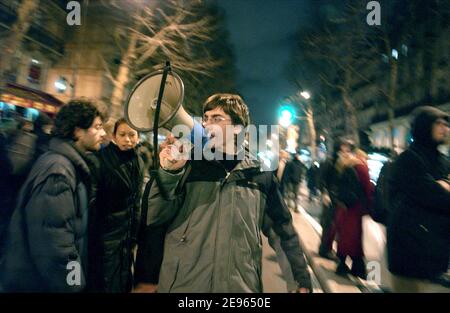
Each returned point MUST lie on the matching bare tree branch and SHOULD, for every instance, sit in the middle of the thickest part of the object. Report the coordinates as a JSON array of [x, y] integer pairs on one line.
[[108, 72]]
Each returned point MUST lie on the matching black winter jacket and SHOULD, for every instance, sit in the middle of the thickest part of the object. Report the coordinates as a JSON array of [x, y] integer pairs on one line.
[[45, 246], [114, 219], [418, 230]]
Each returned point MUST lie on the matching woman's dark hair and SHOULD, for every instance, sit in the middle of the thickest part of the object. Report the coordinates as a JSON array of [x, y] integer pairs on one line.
[[340, 141], [119, 122], [76, 113]]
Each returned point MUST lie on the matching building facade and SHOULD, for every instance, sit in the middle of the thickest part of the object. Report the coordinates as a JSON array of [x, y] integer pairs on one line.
[[57, 62]]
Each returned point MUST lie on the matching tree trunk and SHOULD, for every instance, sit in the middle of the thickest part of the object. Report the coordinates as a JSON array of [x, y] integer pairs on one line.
[[122, 78], [429, 41], [351, 115], [391, 116], [434, 77], [312, 130], [392, 98], [17, 33]]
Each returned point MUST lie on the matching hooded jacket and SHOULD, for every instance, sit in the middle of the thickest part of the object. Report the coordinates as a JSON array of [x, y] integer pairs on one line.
[[213, 243], [418, 228], [46, 237]]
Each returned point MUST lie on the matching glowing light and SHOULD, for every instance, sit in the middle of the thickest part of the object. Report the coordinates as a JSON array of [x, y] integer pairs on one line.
[[61, 84], [305, 95], [286, 116], [395, 54]]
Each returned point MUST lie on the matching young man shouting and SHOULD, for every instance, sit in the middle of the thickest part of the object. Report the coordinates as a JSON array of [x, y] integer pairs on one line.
[[215, 208]]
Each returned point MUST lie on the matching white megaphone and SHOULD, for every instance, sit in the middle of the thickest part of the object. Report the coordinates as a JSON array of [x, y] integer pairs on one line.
[[156, 102], [141, 105]]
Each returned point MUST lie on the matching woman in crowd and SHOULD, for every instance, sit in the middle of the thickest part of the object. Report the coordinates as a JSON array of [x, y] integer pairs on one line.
[[115, 214], [355, 192]]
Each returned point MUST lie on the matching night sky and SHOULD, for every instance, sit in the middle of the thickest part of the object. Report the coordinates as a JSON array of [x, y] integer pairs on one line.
[[261, 32]]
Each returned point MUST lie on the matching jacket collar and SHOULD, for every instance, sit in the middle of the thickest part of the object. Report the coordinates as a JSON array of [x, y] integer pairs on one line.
[[249, 162], [68, 149], [248, 167], [112, 157]]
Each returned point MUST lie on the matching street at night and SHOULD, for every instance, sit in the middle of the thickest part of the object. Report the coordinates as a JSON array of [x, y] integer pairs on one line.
[[224, 147]]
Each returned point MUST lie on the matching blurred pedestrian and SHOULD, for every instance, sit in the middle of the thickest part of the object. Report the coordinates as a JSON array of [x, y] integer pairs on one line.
[[312, 178], [328, 186], [418, 228], [6, 205], [379, 210], [20, 150], [115, 216], [46, 237], [354, 195], [293, 174]]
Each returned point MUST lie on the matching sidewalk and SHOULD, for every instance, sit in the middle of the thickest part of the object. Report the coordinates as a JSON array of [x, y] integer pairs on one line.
[[273, 281], [322, 268]]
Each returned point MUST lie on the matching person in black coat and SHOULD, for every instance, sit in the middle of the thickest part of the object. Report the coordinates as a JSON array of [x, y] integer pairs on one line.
[[18, 152], [6, 169], [292, 177], [312, 176], [418, 228], [328, 186], [45, 247], [116, 212]]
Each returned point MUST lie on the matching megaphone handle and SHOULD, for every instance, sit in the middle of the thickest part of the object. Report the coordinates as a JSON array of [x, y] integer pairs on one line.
[[156, 120]]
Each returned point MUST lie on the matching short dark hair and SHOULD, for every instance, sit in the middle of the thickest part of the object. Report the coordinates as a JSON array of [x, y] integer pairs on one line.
[[231, 104], [342, 141], [76, 113]]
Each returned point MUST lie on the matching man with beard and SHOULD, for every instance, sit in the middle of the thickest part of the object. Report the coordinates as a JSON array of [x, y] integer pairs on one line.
[[46, 237]]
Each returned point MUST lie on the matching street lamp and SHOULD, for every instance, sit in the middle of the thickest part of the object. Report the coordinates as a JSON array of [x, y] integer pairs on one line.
[[305, 95], [395, 54], [61, 85]]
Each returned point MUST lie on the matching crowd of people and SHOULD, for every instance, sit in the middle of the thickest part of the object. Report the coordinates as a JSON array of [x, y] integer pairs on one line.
[[198, 222], [81, 195], [411, 198]]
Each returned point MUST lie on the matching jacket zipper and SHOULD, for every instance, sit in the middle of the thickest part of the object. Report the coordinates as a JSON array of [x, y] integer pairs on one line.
[[183, 237], [222, 183]]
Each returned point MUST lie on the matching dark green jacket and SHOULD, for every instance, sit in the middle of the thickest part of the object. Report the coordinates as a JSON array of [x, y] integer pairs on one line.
[[214, 242]]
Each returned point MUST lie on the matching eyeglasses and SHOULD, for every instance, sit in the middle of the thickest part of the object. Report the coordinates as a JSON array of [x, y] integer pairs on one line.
[[215, 119]]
